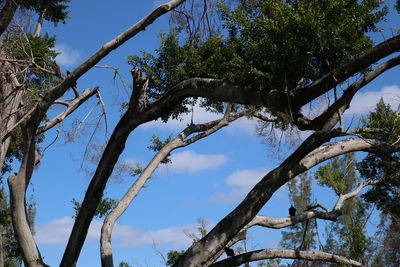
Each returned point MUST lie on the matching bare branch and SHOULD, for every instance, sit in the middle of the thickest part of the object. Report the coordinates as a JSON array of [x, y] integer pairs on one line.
[[68, 82], [341, 104], [353, 193], [284, 253], [71, 107], [265, 118]]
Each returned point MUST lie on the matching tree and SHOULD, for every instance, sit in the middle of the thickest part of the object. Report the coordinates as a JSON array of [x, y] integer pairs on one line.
[[348, 235], [276, 57], [386, 195]]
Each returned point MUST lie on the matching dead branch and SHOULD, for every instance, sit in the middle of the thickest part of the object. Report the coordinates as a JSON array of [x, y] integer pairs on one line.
[[71, 107]]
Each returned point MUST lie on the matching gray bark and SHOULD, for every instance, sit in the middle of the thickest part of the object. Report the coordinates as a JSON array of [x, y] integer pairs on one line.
[[18, 183]]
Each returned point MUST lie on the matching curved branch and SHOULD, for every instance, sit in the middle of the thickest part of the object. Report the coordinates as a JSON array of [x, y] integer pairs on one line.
[[353, 193], [297, 163], [286, 254], [344, 101], [340, 74]]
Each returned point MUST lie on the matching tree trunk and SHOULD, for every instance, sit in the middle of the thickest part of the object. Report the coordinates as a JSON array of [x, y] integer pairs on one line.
[[93, 195], [10, 100], [7, 14]]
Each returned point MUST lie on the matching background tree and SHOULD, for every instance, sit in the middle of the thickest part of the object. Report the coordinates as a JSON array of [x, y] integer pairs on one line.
[[347, 236], [300, 236], [385, 196]]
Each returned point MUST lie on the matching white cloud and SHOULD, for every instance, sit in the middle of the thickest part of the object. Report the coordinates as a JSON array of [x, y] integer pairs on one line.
[[239, 184], [191, 162], [58, 231], [67, 56], [364, 102]]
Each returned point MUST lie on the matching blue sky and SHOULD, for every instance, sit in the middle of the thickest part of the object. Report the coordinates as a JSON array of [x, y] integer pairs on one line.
[[205, 180]]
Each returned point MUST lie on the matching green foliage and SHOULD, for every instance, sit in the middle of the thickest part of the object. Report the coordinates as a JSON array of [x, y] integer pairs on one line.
[[137, 170], [173, 256], [26, 47], [385, 195], [270, 44], [105, 206], [56, 10], [158, 145], [41, 48], [291, 43], [338, 174]]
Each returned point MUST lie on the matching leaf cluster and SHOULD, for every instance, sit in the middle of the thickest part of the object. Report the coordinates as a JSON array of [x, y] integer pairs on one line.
[[105, 206], [292, 43], [266, 44], [40, 49], [173, 256]]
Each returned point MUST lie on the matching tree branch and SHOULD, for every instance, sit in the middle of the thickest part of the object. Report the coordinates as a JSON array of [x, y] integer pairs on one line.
[[340, 74], [71, 107], [353, 193], [69, 81], [284, 253], [344, 101]]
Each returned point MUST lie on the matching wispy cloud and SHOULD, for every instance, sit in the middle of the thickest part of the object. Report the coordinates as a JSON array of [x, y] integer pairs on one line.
[[239, 184], [68, 56], [58, 231], [365, 102], [192, 162]]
